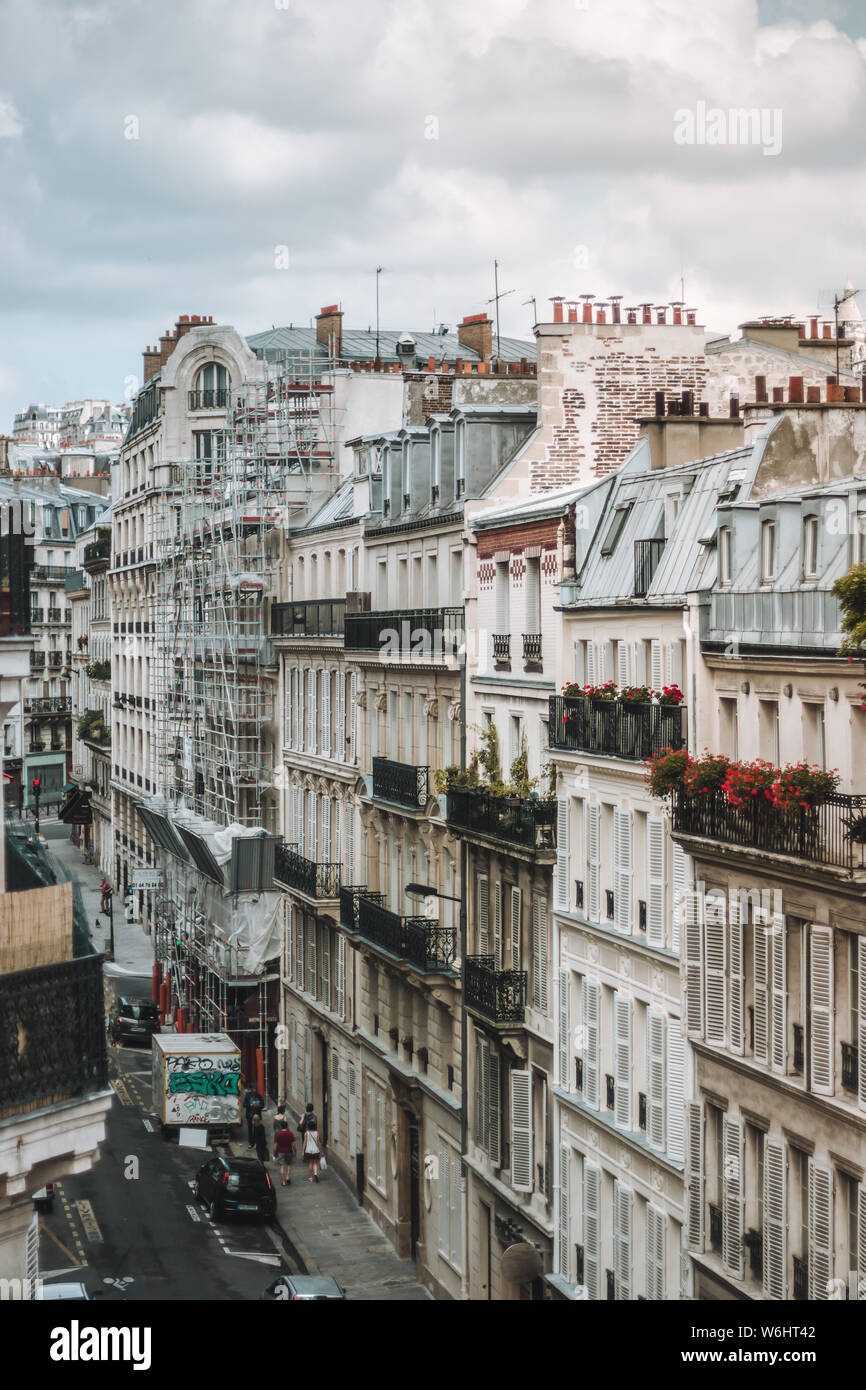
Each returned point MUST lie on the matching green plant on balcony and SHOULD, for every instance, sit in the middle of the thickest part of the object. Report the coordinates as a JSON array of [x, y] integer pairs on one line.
[[91, 724], [550, 775], [665, 771], [855, 829], [634, 695], [446, 779], [704, 773], [488, 756], [607, 691], [744, 782], [521, 784], [850, 590], [99, 670], [801, 786]]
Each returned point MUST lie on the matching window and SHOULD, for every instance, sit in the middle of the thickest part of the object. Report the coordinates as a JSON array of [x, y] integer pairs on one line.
[[728, 731], [376, 1136], [768, 551], [614, 530], [487, 1103], [724, 554], [450, 1205], [211, 387], [814, 740], [810, 547], [533, 594], [386, 481], [459, 458], [768, 730], [503, 594], [435, 464], [404, 473]]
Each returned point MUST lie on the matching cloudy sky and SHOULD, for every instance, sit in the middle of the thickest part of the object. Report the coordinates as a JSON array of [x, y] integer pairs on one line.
[[154, 154]]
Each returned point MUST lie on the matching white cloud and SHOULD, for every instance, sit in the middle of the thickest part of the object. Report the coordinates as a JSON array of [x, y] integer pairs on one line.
[[10, 122]]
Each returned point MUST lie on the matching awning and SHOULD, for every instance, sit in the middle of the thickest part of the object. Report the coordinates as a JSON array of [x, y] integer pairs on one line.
[[7, 777], [70, 787], [76, 808]]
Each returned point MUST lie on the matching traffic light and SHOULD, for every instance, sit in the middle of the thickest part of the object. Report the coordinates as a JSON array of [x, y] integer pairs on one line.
[[37, 785]]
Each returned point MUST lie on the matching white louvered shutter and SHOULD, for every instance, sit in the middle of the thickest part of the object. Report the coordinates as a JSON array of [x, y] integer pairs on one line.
[[287, 737], [337, 831], [655, 881], [312, 808], [482, 913], [340, 1001], [591, 1230], [736, 1035], [591, 1004], [655, 1253], [861, 1039], [297, 687], [560, 877], [675, 1091], [622, 679], [761, 1016], [622, 885], [861, 1234], [339, 731], [691, 904], [352, 715], [695, 1171], [521, 1131], [312, 678], [774, 1220], [326, 714], [349, 841], [289, 940], [516, 947], [590, 663], [481, 1114], [776, 963], [669, 663], [594, 864], [353, 1109], [732, 1199], [312, 988], [563, 1227], [622, 1060], [444, 1201], [821, 975], [326, 967], [656, 665], [655, 1051], [539, 952], [498, 945], [493, 1107], [563, 1040], [714, 947], [820, 1230], [300, 821], [380, 1136], [680, 875], [622, 1218], [326, 830], [456, 1213]]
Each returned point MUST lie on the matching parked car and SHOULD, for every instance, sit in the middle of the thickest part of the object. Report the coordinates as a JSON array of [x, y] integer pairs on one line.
[[292, 1288], [229, 1186], [76, 1293], [134, 1020], [43, 1200]]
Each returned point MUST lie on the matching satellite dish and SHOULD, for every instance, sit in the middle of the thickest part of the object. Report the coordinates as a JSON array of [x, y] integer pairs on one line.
[[522, 1263]]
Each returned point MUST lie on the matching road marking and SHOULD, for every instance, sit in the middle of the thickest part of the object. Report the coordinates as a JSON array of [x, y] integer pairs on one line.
[[148, 1126], [122, 1094], [193, 1213], [247, 1255], [89, 1222], [46, 1230], [56, 1273]]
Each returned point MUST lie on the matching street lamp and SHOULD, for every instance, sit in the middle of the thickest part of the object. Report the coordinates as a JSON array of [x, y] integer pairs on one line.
[[423, 890]]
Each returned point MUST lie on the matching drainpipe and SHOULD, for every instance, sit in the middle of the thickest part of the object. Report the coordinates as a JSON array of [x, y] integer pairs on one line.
[[464, 1061]]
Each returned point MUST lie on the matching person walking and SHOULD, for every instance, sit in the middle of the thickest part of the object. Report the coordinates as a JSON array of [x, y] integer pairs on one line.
[[312, 1146], [260, 1139], [253, 1105], [284, 1152], [280, 1119], [308, 1118]]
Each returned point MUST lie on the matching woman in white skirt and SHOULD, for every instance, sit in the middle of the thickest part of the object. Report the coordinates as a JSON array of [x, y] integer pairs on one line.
[[312, 1151]]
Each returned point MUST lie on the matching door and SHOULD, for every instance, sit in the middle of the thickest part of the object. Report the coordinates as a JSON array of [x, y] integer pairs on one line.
[[484, 1248], [325, 1074], [414, 1185]]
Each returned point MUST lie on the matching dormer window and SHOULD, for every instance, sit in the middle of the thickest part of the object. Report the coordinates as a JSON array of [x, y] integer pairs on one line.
[[614, 530], [211, 388], [459, 458], [724, 555], [386, 481], [435, 464], [768, 551], [810, 547], [404, 474]]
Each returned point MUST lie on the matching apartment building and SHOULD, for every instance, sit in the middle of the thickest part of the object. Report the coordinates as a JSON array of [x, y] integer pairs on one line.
[[87, 589]]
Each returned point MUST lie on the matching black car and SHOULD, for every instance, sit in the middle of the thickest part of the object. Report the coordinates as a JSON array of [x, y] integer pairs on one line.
[[134, 1020], [227, 1186]]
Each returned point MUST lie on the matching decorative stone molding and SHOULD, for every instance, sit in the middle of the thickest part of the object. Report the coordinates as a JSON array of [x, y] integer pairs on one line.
[[361, 699], [381, 701], [455, 711], [431, 707]]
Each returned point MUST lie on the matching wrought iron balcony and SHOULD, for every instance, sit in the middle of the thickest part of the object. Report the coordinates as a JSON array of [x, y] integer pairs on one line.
[[293, 870], [421, 943], [49, 704], [502, 646], [646, 558], [55, 615], [58, 1012], [48, 574], [499, 995], [316, 618], [400, 782], [754, 1241], [715, 1227], [37, 659], [216, 399], [532, 647], [37, 616], [350, 897], [528, 822], [816, 833], [850, 1066], [97, 552], [613, 729], [801, 1279], [418, 632], [55, 658]]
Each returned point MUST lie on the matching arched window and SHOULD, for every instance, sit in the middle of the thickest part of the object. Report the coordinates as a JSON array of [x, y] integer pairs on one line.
[[211, 388]]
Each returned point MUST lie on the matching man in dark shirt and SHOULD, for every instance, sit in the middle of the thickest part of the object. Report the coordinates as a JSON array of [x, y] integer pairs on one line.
[[308, 1120], [253, 1105]]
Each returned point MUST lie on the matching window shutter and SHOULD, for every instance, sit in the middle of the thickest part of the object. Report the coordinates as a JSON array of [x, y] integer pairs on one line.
[[655, 881], [482, 913], [776, 962], [655, 1253], [352, 715], [820, 1229], [821, 1049], [340, 717], [444, 1202], [655, 1051], [326, 714], [714, 945], [563, 1039], [498, 948], [335, 1096], [560, 878], [591, 1234], [326, 967], [312, 975], [456, 1213], [297, 695], [695, 1171], [300, 823], [691, 904], [349, 841], [622, 1204], [669, 662], [563, 1263], [289, 703], [861, 1232], [861, 1039], [481, 1113], [326, 830], [732, 1199], [337, 824], [735, 978], [590, 663], [516, 909], [353, 1109], [539, 952], [622, 1060], [341, 975], [656, 665], [493, 1123], [312, 809], [312, 677], [591, 1001], [680, 883], [622, 877], [761, 994], [675, 1091], [774, 1220], [594, 863], [521, 1131], [289, 938], [380, 1136], [622, 679]]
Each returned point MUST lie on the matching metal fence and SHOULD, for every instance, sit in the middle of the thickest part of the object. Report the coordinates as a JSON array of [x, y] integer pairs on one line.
[[296, 871], [499, 995], [406, 631], [52, 1034], [520, 821], [400, 782], [614, 729], [818, 833]]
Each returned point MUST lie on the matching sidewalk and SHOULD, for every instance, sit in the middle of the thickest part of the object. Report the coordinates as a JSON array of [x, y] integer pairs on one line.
[[133, 950], [334, 1235]]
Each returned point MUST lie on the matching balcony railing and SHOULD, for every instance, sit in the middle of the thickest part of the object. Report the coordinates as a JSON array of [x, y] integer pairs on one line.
[[527, 822], [55, 615], [15, 571], [418, 632], [532, 647], [646, 558], [850, 1066], [801, 1279], [55, 658], [97, 550], [50, 704], [715, 1227], [754, 1241], [317, 618], [502, 646], [295, 871], [420, 942], [817, 833], [209, 400], [400, 782], [57, 1013], [613, 729], [37, 659], [48, 574], [37, 615], [350, 897], [499, 995]]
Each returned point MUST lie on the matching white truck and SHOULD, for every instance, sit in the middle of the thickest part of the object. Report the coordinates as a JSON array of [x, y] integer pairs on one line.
[[196, 1080]]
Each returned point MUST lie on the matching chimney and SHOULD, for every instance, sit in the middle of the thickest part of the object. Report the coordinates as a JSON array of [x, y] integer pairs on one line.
[[329, 329], [760, 388], [647, 313], [557, 309], [476, 333], [615, 308], [813, 328], [795, 389], [813, 395], [150, 363], [572, 311], [167, 344], [828, 330], [676, 305], [183, 325], [587, 307]]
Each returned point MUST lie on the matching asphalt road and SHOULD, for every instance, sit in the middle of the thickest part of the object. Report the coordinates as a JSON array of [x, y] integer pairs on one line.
[[131, 1228]]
